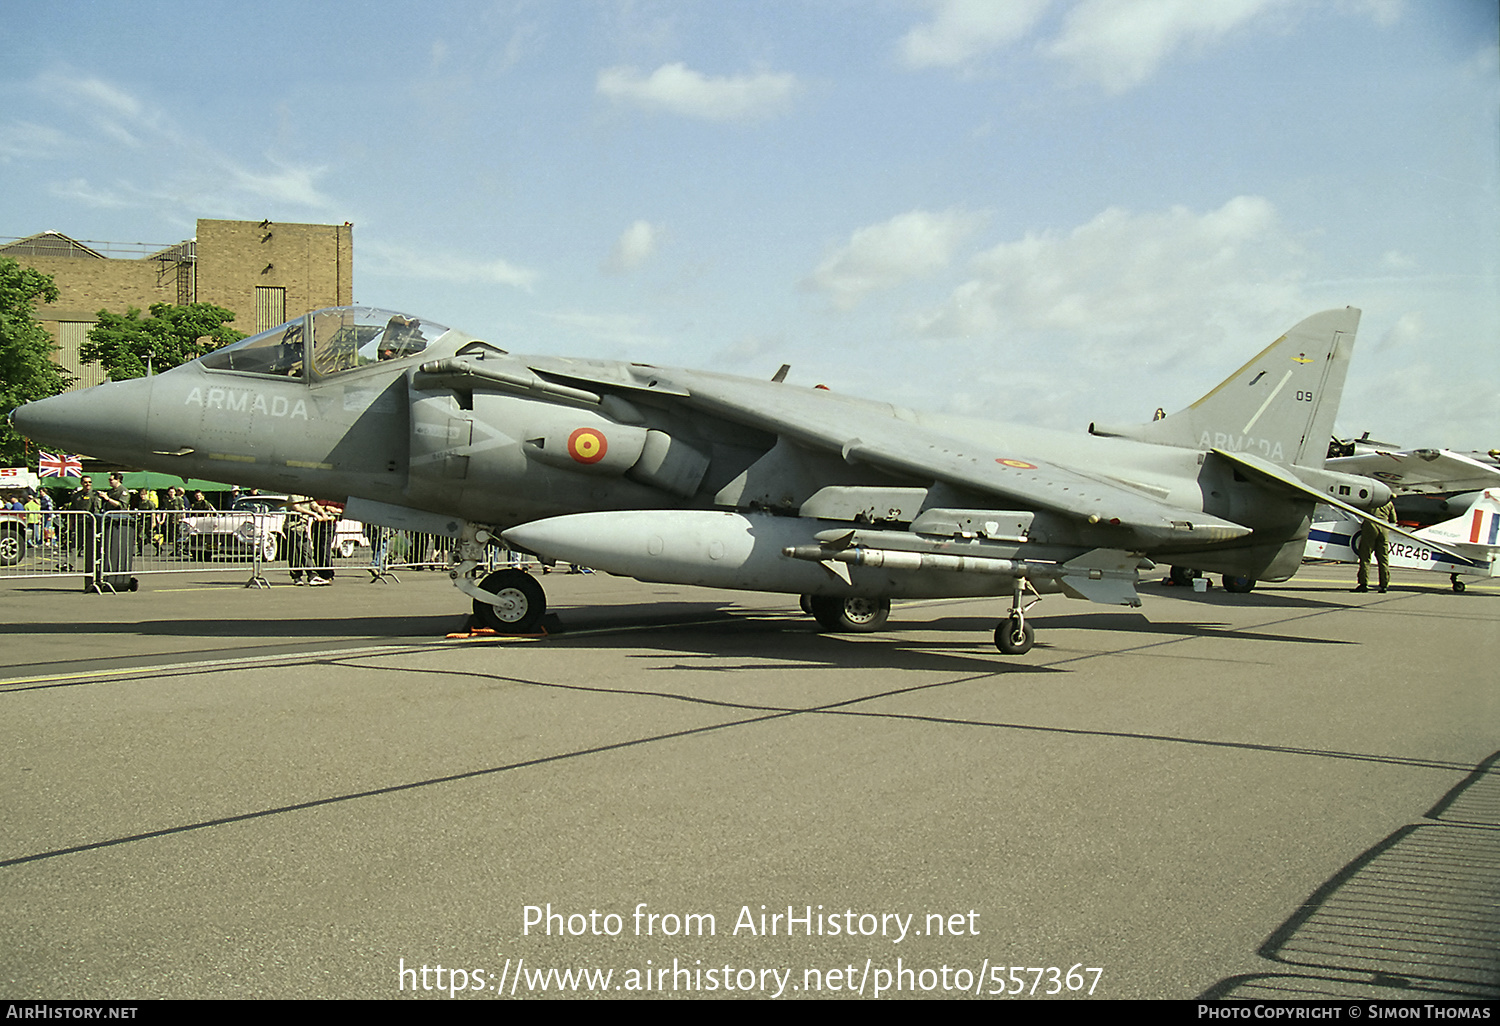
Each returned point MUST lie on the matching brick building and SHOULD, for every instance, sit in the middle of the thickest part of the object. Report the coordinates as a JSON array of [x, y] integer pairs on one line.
[[265, 271]]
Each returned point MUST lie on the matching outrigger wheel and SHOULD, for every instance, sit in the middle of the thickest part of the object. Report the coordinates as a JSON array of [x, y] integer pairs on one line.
[[519, 605]]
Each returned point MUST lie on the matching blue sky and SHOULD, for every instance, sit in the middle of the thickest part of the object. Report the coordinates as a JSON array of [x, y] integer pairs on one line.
[[1047, 211]]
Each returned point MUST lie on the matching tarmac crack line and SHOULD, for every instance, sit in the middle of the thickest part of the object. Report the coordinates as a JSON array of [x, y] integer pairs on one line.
[[840, 709], [377, 792]]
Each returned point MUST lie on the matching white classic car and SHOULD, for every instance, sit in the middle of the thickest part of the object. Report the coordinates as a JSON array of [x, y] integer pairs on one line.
[[255, 523]]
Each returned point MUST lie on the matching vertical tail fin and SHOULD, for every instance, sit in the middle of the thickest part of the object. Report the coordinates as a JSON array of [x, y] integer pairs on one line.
[[1280, 406], [1478, 527]]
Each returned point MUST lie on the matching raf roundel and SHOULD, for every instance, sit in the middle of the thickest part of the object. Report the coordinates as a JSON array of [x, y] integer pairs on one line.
[[586, 445]]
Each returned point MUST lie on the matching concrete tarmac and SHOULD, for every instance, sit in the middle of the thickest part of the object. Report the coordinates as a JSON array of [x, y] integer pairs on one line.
[[211, 791]]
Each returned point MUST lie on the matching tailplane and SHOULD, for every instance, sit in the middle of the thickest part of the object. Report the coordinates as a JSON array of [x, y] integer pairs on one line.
[[1280, 406]]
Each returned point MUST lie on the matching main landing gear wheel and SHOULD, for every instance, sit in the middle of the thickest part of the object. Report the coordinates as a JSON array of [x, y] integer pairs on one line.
[[1238, 585], [1458, 586], [853, 615], [1014, 636], [519, 604], [1183, 575]]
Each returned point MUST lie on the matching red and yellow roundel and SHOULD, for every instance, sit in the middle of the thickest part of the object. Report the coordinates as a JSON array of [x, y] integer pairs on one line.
[[1018, 464], [586, 445]]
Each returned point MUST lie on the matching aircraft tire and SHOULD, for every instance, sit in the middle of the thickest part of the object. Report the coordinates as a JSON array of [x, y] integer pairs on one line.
[[855, 614], [1458, 586], [806, 602], [1183, 575], [1239, 585], [1014, 642], [520, 602]]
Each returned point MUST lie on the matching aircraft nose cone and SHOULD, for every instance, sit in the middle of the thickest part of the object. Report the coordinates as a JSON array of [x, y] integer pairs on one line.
[[107, 421]]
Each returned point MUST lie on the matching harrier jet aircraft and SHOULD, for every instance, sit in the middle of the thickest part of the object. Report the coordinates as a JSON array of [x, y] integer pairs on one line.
[[681, 476]]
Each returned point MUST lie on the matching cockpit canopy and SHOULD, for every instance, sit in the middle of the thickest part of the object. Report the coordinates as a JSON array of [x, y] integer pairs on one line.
[[328, 342]]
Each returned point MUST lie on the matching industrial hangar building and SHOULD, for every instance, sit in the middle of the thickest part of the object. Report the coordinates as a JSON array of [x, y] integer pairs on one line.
[[265, 271]]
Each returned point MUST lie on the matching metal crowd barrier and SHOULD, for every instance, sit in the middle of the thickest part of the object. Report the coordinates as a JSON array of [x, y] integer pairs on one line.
[[109, 550]]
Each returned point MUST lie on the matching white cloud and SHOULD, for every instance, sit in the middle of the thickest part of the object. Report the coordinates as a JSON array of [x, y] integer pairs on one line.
[[27, 141], [1159, 277], [678, 89], [1408, 330], [882, 256], [384, 260], [114, 112], [1121, 43], [79, 190], [1385, 12], [634, 247], [964, 29], [156, 161], [285, 184]]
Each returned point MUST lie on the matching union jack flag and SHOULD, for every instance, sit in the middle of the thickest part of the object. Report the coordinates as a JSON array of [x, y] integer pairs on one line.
[[59, 465]]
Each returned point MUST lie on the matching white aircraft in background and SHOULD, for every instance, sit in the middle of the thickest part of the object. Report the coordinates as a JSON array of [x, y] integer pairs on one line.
[[1430, 485], [1475, 534]]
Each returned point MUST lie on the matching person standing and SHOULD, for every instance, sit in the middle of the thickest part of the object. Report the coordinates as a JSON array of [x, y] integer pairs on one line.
[[173, 507], [324, 526], [299, 550], [1372, 541], [33, 508]]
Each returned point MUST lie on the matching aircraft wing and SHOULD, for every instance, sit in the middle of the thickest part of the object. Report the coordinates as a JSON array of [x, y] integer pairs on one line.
[[1421, 471], [890, 439]]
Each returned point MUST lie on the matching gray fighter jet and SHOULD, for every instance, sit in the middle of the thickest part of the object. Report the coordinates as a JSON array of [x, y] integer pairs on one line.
[[690, 477]]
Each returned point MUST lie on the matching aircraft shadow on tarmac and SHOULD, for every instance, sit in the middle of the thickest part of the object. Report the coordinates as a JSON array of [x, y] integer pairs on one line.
[[717, 635], [1413, 917], [1263, 597], [732, 638], [1136, 623]]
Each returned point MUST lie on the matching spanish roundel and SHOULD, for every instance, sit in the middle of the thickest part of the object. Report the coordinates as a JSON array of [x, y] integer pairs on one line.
[[1017, 464], [587, 445]]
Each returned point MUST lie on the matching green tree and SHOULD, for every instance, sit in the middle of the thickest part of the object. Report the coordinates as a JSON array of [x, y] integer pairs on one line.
[[26, 368], [126, 346]]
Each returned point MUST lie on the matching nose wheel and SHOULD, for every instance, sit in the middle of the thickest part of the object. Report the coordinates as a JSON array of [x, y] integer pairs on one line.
[[1013, 635], [518, 604]]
